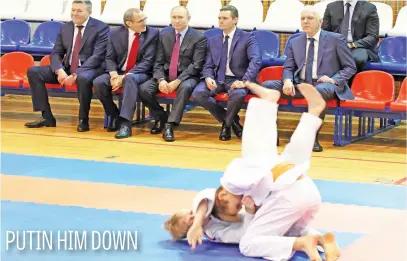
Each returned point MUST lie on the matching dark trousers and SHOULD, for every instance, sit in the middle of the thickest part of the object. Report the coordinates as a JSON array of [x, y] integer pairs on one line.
[[149, 90], [205, 97], [38, 76], [131, 83]]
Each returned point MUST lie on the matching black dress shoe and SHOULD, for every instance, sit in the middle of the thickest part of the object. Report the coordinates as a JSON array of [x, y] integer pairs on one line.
[[83, 126], [159, 125], [225, 133], [42, 123], [237, 128], [124, 132], [168, 134], [317, 147], [113, 125]]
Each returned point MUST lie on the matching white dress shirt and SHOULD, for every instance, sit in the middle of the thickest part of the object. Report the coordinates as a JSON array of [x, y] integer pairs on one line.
[[183, 33], [231, 34], [315, 61], [74, 38]]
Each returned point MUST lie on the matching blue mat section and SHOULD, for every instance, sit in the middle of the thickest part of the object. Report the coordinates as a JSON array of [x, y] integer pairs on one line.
[[374, 195], [153, 242]]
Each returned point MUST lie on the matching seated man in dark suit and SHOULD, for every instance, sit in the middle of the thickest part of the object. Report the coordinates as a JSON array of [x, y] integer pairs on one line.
[[77, 56], [180, 56], [233, 57], [129, 62], [319, 58], [358, 22]]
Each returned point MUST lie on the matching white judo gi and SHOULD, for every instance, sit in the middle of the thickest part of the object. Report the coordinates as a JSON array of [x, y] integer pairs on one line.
[[287, 204]]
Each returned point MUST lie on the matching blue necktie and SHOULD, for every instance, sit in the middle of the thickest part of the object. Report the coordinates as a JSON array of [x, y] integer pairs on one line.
[[345, 22], [310, 60], [223, 61]]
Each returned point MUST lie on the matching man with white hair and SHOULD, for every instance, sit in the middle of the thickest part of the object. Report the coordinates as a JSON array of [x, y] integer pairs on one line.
[[319, 58]]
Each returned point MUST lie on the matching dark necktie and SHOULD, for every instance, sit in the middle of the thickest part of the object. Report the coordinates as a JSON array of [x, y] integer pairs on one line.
[[223, 60], [76, 48], [345, 22], [174, 59], [310, 61], [131, 62]]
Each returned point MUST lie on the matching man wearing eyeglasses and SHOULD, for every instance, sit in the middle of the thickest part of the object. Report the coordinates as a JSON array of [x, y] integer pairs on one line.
[[129, 63]]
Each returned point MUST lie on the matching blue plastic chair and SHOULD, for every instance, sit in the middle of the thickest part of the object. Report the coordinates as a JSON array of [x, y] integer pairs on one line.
[[392, 55], [13, 34], [44, 39], [212, 32], [269, 43], [278, 61]]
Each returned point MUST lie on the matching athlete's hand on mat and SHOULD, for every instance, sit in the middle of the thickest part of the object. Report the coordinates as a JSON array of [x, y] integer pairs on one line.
[[210, 83], [288, 88], [249, 205], [194, 235]]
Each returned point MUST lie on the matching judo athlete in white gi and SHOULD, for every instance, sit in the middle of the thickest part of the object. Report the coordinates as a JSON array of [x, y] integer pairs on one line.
[[286, 198]]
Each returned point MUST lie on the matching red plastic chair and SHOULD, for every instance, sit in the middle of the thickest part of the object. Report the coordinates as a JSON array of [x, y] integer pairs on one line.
[[372, 89], [14, 68], [401, 103], [266, 74], [46, 60]]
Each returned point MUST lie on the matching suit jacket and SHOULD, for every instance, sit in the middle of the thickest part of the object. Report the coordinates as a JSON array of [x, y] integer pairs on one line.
[[334, 60], [191, 57], [93, 48], [365, 24], [244, 53], [118, 46]]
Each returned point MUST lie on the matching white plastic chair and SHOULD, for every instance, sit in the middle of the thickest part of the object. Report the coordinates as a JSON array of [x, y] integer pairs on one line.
[[204, 14], [385, 13], [66, 15], [400, 28], [114, 10], [159, 11], [250, 13], [42, 10], [10, 11], [283, 16]]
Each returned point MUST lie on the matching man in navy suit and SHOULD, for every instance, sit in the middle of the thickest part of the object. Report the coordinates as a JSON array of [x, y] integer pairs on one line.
[[78, 54], [129, 62], [233, 57], [180, 57], [316, 57]]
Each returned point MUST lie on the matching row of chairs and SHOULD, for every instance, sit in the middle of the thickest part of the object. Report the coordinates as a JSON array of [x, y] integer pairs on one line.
[[374, 91], [282, 16], [15, 36]]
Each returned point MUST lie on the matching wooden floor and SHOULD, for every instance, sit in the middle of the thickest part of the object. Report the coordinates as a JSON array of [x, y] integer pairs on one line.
[[381, 159]]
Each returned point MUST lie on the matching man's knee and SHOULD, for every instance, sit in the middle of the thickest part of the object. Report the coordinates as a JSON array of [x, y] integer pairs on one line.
[[133, 79], [273, 85], [327, 90], [146, 89], [84, 80], [200, 92], [237, 94]]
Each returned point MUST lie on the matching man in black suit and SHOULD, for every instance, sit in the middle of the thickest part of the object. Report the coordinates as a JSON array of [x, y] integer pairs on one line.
[[76, 58], [129, 63], [358, 21], [180, 57]]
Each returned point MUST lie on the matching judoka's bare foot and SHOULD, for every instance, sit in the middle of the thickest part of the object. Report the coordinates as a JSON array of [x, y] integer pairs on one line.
[[262, 92], [308, 244], [316, 103], [331, 248]]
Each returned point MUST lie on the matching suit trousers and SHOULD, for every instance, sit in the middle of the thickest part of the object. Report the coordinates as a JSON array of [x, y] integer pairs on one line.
[[149, 90], [205, 97], [131, 83], [38, 76], [327, 91]]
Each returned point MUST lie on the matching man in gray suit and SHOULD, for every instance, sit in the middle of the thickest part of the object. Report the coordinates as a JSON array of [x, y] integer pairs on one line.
[[180, 57], [319, 58], [76, 58], [358, 22], [129, 62]]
